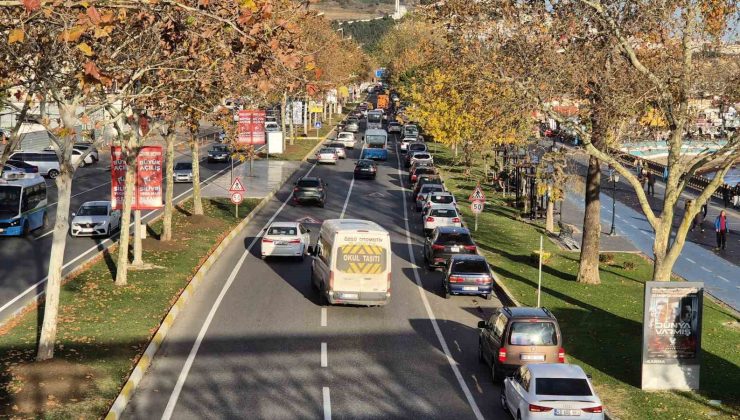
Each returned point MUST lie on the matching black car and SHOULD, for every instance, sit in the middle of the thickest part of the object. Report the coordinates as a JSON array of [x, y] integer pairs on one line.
[[468, 275], [366, 168], [219, 153], [445, 242], [23, 166], [310, 189]]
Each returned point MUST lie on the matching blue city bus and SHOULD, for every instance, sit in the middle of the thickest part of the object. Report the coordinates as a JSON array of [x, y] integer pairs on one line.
[[374, 119], [375, 145], [22, 203]]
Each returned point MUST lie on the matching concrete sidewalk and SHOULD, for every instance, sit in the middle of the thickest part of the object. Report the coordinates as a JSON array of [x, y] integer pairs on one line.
[[265, 176]]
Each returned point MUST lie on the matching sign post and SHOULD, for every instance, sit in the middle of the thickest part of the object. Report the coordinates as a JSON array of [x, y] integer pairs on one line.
[[317, 126], [236, 191], [477, 203]]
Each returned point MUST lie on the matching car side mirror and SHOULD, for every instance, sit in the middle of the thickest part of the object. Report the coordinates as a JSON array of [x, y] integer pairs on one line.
[[482, 324], [74, 214]]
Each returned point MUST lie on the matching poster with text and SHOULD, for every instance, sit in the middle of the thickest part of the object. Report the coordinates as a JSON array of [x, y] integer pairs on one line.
[[251, 127], [672, 329], [148, 179], [117, 177]]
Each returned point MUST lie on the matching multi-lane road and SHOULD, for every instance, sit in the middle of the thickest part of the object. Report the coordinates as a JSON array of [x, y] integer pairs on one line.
[[24, 261], [255, 342]]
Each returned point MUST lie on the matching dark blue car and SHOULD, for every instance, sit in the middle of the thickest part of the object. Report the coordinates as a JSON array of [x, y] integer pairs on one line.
[[468, 275]]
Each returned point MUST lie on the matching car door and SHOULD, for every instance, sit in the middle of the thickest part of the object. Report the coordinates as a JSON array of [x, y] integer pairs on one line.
[[305, 235], [513, 391], [498, 325]]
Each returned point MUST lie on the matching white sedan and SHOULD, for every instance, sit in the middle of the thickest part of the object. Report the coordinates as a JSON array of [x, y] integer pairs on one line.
[[551, 391], [440, 215], [95, 218], [347, 138], [285, 239]]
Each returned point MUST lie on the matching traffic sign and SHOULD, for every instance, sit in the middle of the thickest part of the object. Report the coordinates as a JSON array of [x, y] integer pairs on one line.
[[237, 186], [477, 206], [237, 197], [317, 124], [477, 194]]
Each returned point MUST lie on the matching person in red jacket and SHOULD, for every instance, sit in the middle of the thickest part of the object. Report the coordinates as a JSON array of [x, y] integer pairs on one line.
[[722, 227]]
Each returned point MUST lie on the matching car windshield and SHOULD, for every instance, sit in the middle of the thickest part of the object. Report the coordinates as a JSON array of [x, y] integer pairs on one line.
[[339, 145], [533, 334], [327, 150], [346, 136], [419, 147], [422, 156], [443, 213], [430, 188], [182, 166], [364, 163], [220, 149], [453, 238], [282, 230], [467, 266], [571, 387], [311, 183], [93, 211], [9, 199], [442, 199]]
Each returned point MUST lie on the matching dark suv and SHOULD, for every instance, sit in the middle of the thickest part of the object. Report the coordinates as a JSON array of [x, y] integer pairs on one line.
[[445, 242], [310, 189], [513, 337]]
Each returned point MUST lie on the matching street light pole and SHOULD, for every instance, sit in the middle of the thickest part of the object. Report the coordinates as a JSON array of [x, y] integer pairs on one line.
[[615, 178]]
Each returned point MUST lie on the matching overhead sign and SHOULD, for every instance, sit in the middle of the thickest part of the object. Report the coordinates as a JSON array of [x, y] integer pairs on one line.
[[237, 197], [477, 206], [251, 127], [148, 183], [237, 186], [477, 194], [671, 335], [379, 73]]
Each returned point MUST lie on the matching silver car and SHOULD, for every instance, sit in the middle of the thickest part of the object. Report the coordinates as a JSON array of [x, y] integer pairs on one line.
[[421, 157], [352, 125], [424, 191], [95, 218], [327, 155], [47, 162], [183, 172], [339, 148]]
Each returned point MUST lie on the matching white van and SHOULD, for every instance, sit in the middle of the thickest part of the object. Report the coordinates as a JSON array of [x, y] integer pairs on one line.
[[352, 263]]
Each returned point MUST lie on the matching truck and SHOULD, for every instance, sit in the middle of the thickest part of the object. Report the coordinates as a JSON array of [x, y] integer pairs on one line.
[[383, 101]]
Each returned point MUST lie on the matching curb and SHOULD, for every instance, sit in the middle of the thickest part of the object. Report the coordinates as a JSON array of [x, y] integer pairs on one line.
[[120, 403]]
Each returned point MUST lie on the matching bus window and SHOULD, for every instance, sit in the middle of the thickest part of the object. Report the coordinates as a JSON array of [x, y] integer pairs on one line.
[[9, 197]]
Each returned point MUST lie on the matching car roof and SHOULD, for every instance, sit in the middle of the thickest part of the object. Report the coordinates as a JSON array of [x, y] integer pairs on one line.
[[442, 193], [310, 178], [472, 257], [432, 185], [556, 370], [284, 224], [95, 203], [452, 229], [528, 312], [438, 206]]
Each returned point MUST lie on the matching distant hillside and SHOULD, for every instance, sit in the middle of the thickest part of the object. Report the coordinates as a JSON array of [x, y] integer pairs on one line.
[[367, 33], [358, 9]]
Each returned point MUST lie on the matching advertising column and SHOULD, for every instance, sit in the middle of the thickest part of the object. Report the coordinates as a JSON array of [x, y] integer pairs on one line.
[[148, 179]]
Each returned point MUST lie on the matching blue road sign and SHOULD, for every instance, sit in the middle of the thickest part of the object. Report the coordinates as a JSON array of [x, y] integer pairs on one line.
[[317, 124], [380, 72]]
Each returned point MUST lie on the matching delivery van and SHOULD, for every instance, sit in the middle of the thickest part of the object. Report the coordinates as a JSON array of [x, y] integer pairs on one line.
[[352, 263]]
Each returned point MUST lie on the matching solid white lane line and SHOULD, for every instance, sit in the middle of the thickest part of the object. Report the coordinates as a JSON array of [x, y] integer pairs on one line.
[[690, 260], [323, 317], [706, 269], [723, 279], [324, 358], [172, 402], [632, 226], [428, 307], [327, 403], [346, 200]]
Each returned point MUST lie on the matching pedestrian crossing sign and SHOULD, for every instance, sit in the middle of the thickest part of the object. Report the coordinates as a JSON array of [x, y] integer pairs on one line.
[[477, 194]]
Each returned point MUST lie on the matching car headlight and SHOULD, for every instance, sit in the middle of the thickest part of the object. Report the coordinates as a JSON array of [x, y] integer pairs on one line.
[[103, 223], [15, 222]]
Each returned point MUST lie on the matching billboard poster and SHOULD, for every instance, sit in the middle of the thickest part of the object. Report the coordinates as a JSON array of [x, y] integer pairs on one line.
[[148, 178], [671, 341], [117, 177], [251, 127], [297, 108]]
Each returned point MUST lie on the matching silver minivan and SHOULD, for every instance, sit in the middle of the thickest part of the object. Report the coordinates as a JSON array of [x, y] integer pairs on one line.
[[47, 162]]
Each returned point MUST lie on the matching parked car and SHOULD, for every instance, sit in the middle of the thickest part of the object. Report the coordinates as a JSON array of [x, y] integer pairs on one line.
[[219, 153], [272, 127], [339, 148], [10, 170], [327, 155], [394, 127], [88, 147], [551, 391], [347, 138], [310, 190], [425, 189], [81, 158], [23, 166], [440, 215], [46, 162], [352, 125], [468, 275], [515, 336], [285, 239], [444, 243], [95, 218], [183, 172], [366, 168]]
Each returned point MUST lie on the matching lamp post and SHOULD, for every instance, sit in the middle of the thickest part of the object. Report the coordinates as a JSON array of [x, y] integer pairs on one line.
[[614, 176]]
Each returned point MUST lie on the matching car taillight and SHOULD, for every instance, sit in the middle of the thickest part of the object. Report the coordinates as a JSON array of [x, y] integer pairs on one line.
[[295, 189], [438, 247], [295, 241], [597, 409], [456, 220], [456, 279], [502, 355], [534, 408], [561, 355], [470, 247], [483, 280], [266, 241], [320, 189], [430, 219], [419, 197], [413, 178]]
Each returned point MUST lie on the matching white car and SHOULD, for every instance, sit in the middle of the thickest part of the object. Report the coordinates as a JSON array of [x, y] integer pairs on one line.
[[327, 155], [339, 148], [394, 127], [439, 198], [347, 138], [285, 239], [95, 218], [405, 143], [440, 215], [551, 391], [419, 157]]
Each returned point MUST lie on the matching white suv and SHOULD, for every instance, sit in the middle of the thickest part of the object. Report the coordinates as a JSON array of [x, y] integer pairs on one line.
[[440, 215], [439, 198], [347, 138]]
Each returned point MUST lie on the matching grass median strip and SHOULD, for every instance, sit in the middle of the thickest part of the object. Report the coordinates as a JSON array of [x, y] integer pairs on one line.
[[601, 324], [103, 329]]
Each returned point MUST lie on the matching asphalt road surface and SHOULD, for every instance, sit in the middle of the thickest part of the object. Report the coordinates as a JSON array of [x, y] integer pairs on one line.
[[24, 262], [255, 343]]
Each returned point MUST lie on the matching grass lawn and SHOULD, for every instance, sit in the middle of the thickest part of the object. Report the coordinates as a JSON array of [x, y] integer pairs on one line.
[[103, 328], [602, 324], [301, 145]]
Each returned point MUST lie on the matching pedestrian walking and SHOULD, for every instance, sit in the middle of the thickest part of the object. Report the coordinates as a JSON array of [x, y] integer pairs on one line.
[[665, 174], [650, 184], [726, 194], [638, 167], [736, 196], [722, 227]]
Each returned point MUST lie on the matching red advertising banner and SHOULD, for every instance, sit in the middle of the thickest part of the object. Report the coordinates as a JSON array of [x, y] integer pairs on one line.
[[117, 177], [148, 193], [148, 179], [251, 127]]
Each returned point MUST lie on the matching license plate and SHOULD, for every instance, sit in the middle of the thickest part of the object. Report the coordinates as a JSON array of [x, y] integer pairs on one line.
[[348, 295], [280, 243], [567, 412], [537, 357], [365, 169], [471, 288], [455, 249]]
